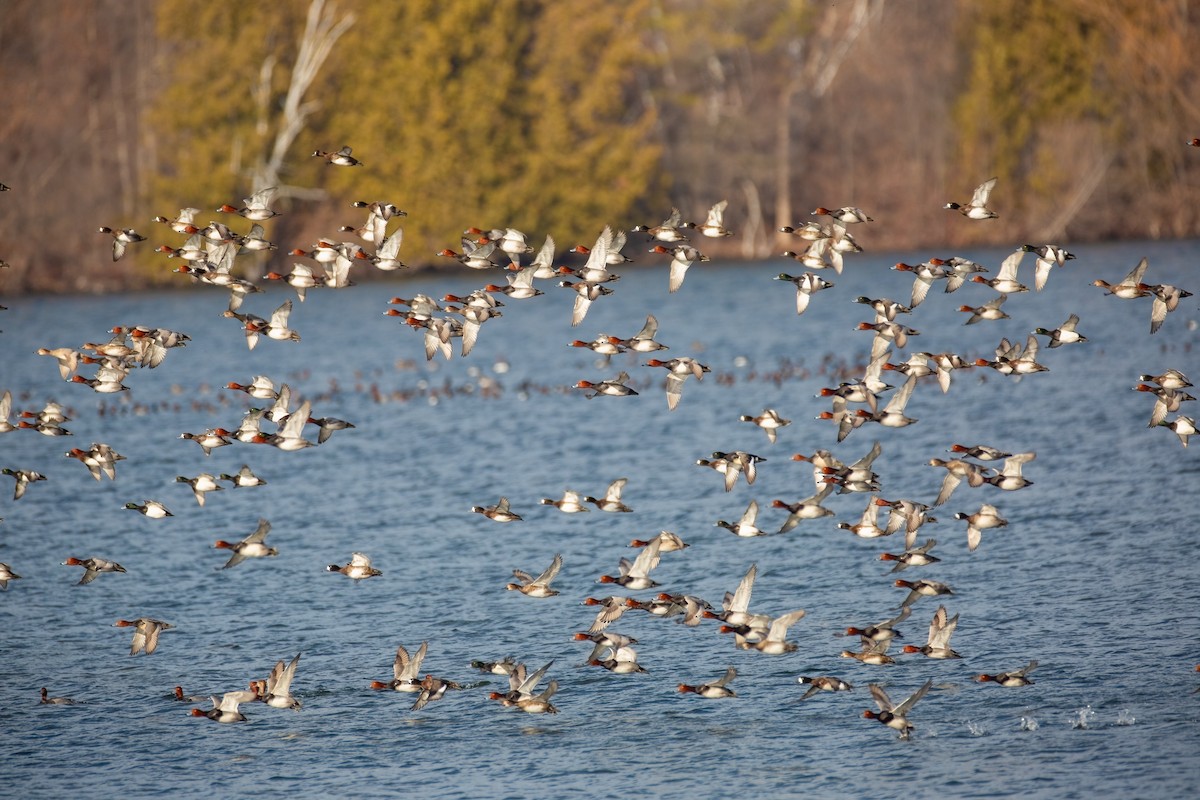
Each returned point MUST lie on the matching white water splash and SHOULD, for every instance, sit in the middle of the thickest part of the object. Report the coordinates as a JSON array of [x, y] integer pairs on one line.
[[975, 728], [1029, 724], [1125, 717], [1083, 718]]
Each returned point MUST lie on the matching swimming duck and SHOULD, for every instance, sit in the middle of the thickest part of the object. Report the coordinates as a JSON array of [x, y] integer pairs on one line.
[[243, 477], [894, 715], [823, 683], [635, 575], [769, 420], [977, 208], [279, 684], [121, 238], [1011, 679], [986, 517], [145, 634], [539, 586], [1048, 256], [914, 557], [405, 670], [1064, 334], [921, 588], [499, 512], [151, 508], [226, 710], [807, 284], [613, 388], [92, 567], [611, 501], [338, 158], [713, 689], [6, 575], [23, 478], [745, 526], [938, 643], [668, 231], [250, 547], [682, 257], [713, 225], [1131, 285], [47, 700], [358, 569], [201, 484]]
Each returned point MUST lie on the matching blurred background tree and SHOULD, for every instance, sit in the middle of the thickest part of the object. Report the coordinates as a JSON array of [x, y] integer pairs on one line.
[[562, 117]]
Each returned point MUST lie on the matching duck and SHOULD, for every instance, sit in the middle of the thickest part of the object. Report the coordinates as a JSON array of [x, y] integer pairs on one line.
[[244, 477], [1005, 281], [570, 503], [539, 703], [668, 542], [1048, 256], [775, 642], [1165, 401], [602, 345], [958, 270], [986, 517], [184, 223], [873, 653], [881, 631], [338, 158], [521, 686], [432, 688], [201, 484], [887, 308], [668, 231], [225, 710], [643, 341], [290, 435], [808, 508], [735, 607], [977, 208], [807, 284], [178, 695], [712, 690], [924, 274], [539, 586], [145, 634], [405, 670], [745, 526], [327, 426], [23, 478], [100, 459], [585, 294], [520, 286], [907, 514], [846, 215], [941, 629], [279, 685], [892, 414], [505, 666], [1010, 478], [914, 557], [47, 700], [1170, 379], [1181, 426], [611, 502], [301, 278], [867, 527], [210, 439], [822, 683], [250, 547], [678, 371], [359, 568], [894, 715], [611, 610], [988, 311], [682, 257], [257, 206], [620, 667], [67, 358], [6, 575], [1011, 679], [1131, 286], [122, 237], [614, 387], [635, 575], [921, 588], [1166, 299], [1063, 334], [769, 420], [151, 508], [713, 226], [277, 327], [92, 567], [501, 512]]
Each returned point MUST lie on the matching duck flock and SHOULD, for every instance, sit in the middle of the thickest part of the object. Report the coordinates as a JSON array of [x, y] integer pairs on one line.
[[450, 327]]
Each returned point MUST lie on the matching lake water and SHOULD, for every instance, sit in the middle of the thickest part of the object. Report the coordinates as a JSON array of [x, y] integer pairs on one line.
[[1094, 576]]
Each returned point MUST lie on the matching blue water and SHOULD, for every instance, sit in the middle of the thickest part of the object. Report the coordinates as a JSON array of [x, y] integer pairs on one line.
[[1093, 577]]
